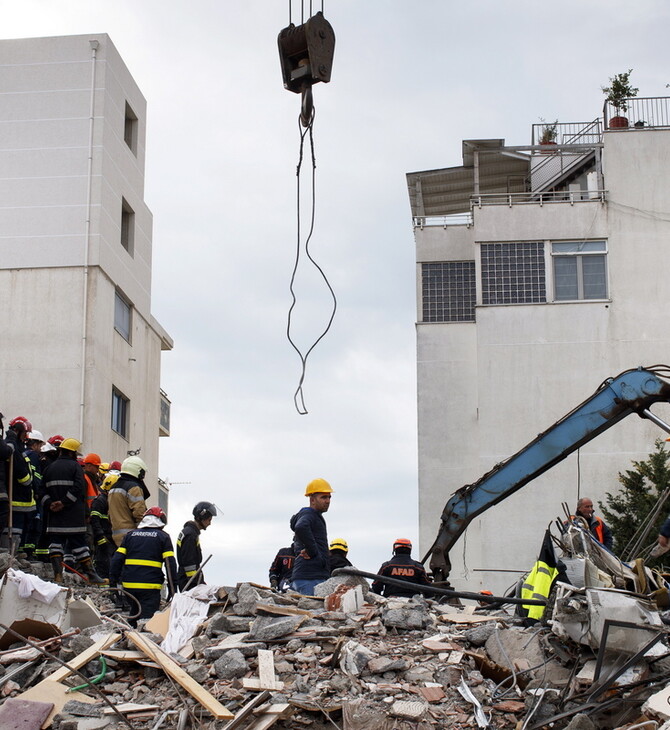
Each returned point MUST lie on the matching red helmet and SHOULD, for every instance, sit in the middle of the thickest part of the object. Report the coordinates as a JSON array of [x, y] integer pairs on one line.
[[115, 465], [56, 440], [27, 425], [157, 512], [402, 542]]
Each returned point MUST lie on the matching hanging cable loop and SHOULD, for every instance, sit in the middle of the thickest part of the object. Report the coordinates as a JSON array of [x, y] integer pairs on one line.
[[298, 396]]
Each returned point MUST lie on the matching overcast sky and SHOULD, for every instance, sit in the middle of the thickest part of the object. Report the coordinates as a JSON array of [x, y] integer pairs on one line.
[[411, 79]]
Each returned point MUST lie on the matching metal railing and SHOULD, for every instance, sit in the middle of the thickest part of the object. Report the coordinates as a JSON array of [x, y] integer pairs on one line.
[[642, 112], [551, 164], [569, 133], [455, 219], [552, 196]]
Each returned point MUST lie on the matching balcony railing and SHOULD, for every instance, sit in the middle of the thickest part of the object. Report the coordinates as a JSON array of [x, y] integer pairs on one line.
[[642, 112], [570, 133], [552, 196]]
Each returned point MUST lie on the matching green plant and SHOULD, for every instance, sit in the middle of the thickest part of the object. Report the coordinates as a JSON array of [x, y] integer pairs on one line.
[[641, 488], [549, 131], [619, 90]]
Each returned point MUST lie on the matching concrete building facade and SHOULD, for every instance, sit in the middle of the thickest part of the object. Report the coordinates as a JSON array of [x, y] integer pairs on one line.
[[81, 351], [541, 271]]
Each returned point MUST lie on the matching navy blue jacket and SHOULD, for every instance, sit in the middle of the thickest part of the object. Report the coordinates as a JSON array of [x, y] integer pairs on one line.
[[139, 560], [311, 535], [401, 567]]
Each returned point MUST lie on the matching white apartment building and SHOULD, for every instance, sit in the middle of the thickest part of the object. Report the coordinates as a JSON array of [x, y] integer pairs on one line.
[[81, 351], [541, 270]]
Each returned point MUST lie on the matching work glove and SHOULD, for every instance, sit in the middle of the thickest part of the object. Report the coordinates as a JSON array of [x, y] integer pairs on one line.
[[274, 584]]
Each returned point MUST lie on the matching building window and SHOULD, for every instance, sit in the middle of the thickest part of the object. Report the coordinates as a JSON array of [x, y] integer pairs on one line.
[[580, 270], [120, 412], [513, 273], [164, 422], [127, 226], [449, 291], [130, 129], [123, 315]]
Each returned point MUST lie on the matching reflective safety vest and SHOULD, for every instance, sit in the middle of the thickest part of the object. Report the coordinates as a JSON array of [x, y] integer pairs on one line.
[[596, 528], [537, 586]]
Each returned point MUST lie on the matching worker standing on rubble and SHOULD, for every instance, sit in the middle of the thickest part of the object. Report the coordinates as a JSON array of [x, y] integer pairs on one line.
[[282, 568], [312, 562], [596, 525], [105, 547], [65, 501], [401, 567], [127, 498], [138, 563], [189, 554], [338, 554]]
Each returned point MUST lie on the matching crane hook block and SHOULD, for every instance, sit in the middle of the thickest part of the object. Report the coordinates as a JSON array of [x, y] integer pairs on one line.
[[306, 53]]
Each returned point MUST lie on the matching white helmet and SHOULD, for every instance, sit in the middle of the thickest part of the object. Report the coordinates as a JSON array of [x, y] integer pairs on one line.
[[134, 466]]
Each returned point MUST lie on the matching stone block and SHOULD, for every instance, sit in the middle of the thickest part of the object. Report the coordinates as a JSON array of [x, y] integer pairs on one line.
[[230, 665], [268, 628]]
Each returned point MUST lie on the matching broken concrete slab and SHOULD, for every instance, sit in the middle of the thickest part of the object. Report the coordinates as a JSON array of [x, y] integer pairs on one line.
[[231, 664], [267, 628]]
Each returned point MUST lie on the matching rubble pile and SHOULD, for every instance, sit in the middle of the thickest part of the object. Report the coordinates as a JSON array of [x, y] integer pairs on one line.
[[248, 657]]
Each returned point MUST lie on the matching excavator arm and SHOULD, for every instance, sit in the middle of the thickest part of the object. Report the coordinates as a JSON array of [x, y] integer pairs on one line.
[[633, 391]]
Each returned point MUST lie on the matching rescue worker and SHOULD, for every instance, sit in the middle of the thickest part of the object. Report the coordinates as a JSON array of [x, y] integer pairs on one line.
[[281, 568], [596, 525], [23, 503], [401, 567], [127, 498], [91, 466], [6, 453], [312, 564], [338, 554], [138, 563], [105, 547], [189, 554], [33, 526], [64, 499]]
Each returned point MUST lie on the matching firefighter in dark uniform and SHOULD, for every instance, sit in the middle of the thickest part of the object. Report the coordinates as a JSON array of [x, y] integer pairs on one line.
[[282, 568], [401, 567], [105, 547], [23, 503], [189, 554], [64, 500], [138, 563]]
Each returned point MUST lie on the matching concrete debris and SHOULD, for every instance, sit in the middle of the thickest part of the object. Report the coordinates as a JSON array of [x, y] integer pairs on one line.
[[349, 659]]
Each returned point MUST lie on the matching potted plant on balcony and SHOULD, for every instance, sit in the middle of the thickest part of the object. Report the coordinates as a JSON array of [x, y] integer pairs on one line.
[[616, 94], [548, 134]]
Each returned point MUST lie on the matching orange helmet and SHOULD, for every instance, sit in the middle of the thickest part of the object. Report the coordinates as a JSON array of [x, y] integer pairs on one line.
[[402, 542], [92, 459]]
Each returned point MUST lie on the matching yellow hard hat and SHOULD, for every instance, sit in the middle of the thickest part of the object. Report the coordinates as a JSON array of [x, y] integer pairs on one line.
[[104, 467], [70, 444], [318, 485], [109, 481], [339, 544]]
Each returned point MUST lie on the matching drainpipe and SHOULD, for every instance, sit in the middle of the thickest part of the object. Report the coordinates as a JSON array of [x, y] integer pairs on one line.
[[87, 240]]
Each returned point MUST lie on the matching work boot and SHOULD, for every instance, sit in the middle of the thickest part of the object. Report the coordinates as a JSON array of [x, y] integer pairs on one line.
[[86, 567], [58, 569]]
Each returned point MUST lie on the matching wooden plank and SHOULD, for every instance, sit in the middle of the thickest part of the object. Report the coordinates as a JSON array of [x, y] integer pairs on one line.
[[266, 721], [255, 684], [274, 610], [245, 711], [84, 658], [266, 669], [120, 655], [50, 691], [197, 691], [127, 707]]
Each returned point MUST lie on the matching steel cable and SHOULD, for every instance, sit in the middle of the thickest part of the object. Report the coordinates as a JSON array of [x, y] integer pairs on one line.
[[298, 396]]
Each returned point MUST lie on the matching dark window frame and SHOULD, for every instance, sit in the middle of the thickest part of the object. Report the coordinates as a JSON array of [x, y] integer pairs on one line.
[[120, 413], [125, 332]]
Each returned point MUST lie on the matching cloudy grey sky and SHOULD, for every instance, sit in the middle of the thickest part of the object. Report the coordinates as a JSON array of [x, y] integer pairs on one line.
[[411, 79]]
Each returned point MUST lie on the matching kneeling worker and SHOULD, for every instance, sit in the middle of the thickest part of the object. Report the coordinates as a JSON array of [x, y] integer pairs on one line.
[[138, 563], [189, 554], [401, 567]]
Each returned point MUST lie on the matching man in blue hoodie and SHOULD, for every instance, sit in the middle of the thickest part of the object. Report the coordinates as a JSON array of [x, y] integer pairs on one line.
[[312, 562]]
